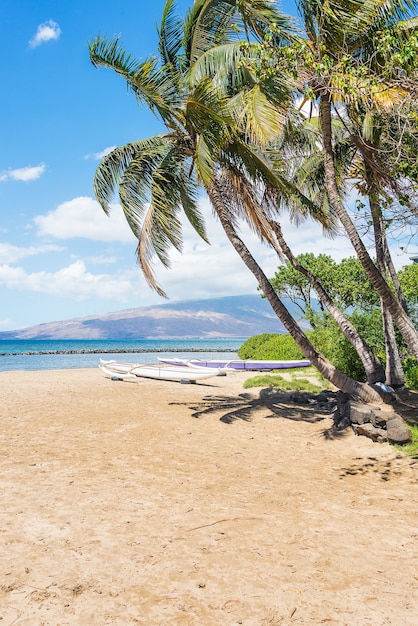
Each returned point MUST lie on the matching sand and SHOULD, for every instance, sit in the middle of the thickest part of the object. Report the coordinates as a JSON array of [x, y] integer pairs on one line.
[[159, 503]]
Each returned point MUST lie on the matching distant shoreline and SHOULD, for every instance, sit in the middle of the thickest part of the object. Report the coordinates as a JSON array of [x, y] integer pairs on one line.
[[111, 351]]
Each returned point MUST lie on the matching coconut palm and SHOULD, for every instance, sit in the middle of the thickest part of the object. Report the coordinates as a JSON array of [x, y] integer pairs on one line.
[[337, 61], [307, 169], [204, 144], [331, 54], [343, 35]]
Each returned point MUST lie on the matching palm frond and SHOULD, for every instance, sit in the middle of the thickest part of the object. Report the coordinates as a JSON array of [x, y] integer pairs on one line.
[[108, 53], [214, 22], [150, 83], [145, 254], [224, 64], [113, 166], [257, 115], [189, 200], [208, 24], [170, 34], [245, 200], [204, 161], [158, 227]]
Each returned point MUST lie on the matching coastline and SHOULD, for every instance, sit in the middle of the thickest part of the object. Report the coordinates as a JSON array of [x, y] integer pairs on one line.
[[77, 354], [113, 351], [153, 502]]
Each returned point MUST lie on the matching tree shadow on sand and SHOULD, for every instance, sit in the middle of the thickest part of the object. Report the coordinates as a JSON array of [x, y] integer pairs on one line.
[[406, 405], [296, 406]]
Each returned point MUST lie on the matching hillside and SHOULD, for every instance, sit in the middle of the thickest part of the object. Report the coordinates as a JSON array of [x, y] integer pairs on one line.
[[234, 316]]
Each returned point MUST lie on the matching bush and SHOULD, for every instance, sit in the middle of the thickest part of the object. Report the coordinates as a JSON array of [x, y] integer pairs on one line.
[[270, 346], [330, 341], [334, 346], [410, 368]]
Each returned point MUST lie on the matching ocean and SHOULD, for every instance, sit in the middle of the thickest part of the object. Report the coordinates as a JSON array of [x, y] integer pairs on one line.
[[39, 354]]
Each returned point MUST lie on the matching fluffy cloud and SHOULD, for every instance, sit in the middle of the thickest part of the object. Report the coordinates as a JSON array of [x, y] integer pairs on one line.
[[83, 217], [97, 156], [24, 174], [11, 254], [47, 31], [73, 282], [201, 271]]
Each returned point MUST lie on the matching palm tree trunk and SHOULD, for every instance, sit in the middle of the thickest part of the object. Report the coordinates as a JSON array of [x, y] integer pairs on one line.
[[394, 371], [336, 377], [387, 258], [393, 273], [389, 300], [372, 366]]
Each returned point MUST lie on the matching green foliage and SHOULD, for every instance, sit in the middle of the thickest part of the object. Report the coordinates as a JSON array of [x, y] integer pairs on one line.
[[400, 53], [330, 341], [408, 277], [289, 283], [334, 346], [270, 346], [411, 449], [278, 382], [351, 286], [410, 368], [345, 282], [370, 328]]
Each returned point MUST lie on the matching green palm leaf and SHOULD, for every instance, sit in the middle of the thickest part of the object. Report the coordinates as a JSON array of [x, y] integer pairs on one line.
[[170, 35], [150, 83]]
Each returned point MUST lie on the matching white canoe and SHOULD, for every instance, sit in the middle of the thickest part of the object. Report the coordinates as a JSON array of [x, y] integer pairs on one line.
[[238, 364], [115, 374], [122, 371], [118, 366]]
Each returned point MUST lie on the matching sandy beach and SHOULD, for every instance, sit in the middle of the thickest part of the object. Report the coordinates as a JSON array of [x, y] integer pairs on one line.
[[158, 503]]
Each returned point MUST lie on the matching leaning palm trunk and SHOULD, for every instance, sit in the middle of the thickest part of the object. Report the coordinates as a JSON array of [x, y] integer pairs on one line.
[[325, 367], [378, 226], [372, 366], [388, 298], [393, 273], [394, 371]]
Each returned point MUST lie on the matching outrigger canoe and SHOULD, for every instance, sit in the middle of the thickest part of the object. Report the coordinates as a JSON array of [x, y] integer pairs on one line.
[[130, 371], [238, 364]]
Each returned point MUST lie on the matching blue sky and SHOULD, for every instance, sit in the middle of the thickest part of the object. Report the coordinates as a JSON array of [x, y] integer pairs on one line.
[[60, 256]]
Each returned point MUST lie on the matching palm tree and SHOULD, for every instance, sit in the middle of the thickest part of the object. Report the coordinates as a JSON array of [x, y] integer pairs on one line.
[[322, 45], [203, 145], [340, 35], [372, 366], [308, 172]]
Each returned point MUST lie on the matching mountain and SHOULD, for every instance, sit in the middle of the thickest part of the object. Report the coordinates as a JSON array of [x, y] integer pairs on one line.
[[233, 316]]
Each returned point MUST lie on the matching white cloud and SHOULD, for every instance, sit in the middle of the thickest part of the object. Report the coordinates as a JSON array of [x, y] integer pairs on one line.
[[10, 253], [24, 174], [73, 282], [83, 217], [47, 31], [97, 156], [201, 271]]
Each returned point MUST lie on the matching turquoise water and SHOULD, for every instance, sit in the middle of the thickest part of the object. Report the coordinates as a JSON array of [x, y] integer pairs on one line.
[[23, 354]]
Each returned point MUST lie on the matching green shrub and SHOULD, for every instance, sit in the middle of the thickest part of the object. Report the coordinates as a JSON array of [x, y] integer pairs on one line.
[[370, 327], [410, 368], [334, 346], [330, 341], [270, 346]]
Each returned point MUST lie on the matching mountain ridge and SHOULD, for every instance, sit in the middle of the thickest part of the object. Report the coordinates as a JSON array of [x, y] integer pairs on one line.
[[229, 316]]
